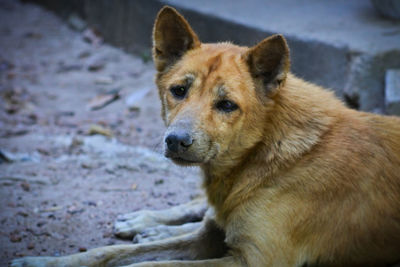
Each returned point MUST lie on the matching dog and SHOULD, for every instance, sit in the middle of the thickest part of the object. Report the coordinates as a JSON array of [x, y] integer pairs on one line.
[[292, 176]]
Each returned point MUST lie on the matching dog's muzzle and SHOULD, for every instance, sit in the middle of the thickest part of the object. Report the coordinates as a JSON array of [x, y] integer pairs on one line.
[[185, 146]]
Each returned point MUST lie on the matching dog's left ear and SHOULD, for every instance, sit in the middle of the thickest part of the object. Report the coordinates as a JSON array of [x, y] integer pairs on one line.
[[172, 37], [269, 63]]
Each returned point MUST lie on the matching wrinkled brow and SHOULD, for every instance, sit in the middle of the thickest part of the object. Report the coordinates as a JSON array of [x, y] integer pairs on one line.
[[221, 92], [214, 63], [189, 77]]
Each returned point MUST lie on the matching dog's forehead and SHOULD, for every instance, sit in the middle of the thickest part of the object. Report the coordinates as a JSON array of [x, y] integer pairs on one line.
[[210, 57], [214, 63]]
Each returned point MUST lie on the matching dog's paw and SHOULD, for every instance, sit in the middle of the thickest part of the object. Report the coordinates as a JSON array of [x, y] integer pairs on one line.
[[161, 232], [153, 233], [31, 262], [128, 225]]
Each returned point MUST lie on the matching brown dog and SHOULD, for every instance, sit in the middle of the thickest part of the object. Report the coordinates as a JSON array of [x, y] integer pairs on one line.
[[293, 176]]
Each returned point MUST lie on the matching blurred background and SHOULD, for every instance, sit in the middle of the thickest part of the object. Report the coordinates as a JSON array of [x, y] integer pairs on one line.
[[80, 127]]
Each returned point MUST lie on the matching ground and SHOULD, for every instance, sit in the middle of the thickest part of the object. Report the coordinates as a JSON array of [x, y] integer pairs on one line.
[[69, 162]]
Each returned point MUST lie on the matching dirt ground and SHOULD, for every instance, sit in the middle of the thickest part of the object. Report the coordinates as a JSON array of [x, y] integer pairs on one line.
[[70, 162]]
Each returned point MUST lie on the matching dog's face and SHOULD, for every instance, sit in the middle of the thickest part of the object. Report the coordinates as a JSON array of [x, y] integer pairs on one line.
[[214, 96]]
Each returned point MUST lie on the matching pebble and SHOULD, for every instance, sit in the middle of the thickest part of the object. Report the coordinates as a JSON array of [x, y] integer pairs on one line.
[[105, 80], [86, 165], [84, 54], [22, 213], [15, 237], [96, 66], [25, 186], [158, 182], [41, 223]]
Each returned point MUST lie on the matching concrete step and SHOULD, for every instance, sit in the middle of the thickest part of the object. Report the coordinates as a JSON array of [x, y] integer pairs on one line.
[[343, 45]]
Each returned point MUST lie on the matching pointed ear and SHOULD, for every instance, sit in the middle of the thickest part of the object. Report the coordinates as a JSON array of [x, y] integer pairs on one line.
[[269, 63], [172, 37]]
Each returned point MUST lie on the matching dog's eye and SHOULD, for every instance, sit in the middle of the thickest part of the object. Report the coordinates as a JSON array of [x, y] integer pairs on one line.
[[226, 106], [179, 91]]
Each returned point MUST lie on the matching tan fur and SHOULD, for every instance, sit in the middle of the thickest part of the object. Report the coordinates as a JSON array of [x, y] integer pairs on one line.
[[295, 176]]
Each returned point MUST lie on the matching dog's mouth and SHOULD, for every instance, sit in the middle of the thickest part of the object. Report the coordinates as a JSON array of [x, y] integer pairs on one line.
[[184, 162]]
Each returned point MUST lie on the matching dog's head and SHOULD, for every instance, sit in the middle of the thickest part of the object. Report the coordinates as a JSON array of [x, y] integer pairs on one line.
[[215, 97]]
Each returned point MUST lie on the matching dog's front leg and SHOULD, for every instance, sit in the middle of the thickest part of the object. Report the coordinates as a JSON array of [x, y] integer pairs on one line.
[[111, 256], [118, 255], [229, 261], [205, 243]]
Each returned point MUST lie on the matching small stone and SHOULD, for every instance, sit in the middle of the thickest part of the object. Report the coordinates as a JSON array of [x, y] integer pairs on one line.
[[31, 246], [107, 234], [41, 223], [22, 213], [110, 171], [105, 80], [19, 254], [158, 182], [75, 143], [65, 113], [96, 65], [84, 54], [26, 186], [33, 35], [15, 237], [74, 210], [69, 67], [86, 165], [91, 203]]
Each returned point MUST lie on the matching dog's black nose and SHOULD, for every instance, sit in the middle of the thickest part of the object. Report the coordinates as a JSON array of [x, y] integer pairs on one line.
[[178, 141]]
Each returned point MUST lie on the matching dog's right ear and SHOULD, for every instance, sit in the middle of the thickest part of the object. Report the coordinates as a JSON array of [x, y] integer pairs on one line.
[[269, 63], [172, 37]]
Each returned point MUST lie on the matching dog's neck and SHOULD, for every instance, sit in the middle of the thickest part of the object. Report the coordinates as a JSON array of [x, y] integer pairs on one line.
[[299, 131]]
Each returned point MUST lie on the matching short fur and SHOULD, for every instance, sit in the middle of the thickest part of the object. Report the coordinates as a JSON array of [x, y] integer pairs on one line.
[[297, 176]]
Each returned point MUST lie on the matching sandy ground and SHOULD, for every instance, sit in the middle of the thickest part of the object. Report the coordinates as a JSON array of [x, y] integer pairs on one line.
[[61, 183]]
